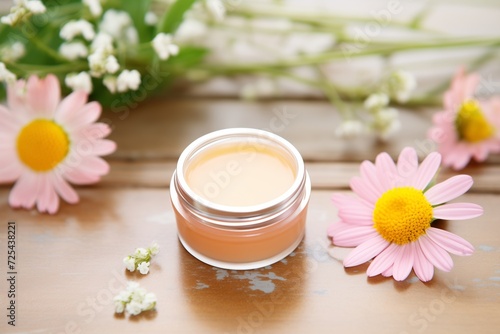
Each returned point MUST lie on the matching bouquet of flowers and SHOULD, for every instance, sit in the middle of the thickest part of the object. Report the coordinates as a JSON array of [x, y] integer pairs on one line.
[[122, 52]]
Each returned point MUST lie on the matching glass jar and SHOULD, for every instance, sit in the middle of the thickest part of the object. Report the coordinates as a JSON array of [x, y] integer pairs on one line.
[[240, 198]]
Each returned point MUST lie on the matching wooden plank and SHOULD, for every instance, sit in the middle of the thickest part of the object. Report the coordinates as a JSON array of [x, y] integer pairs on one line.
[[69, 267], [324, 175], [161, 129]]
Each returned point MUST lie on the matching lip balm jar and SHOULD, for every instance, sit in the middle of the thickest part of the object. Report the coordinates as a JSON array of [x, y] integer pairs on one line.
[[240, 198]]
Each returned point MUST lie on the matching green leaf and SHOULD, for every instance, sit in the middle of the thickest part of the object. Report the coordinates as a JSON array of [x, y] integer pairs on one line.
[[188, 57], [137, 10], [173, 17]]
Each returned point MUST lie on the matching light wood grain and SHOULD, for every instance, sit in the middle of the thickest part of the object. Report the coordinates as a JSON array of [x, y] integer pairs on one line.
[[324, 175], [70, 265]]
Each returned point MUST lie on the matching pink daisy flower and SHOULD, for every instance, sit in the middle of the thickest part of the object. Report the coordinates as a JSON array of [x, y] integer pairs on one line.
[[46, 143], [467, 128], [390, 221]]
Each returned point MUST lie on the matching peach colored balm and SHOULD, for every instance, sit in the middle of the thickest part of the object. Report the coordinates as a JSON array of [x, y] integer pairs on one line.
[[240, 197]]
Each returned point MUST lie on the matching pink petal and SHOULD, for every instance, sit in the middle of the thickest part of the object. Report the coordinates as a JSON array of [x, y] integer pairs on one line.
[[370, 178], [95, 131], [359, 187], [422, 267], [337, 227], [64, 189], [403, 262], [86, 115], [449, 189], [24, 192], [407, 162], [450, 242], [354, 236], [10, 173], [359, 215], [8, 123], [458, 211], [426, 171], [94, 165], [16, 96], [386, 171], [343, 200], [383, 261], [435, 254], [388, 272], [366, 251], [103, 147], [70, 106], [47, 200], [457, 156], [470, 85], [43, 95], [77, 176]]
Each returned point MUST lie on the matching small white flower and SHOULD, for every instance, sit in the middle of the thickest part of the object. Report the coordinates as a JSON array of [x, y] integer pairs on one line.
[[94, 7], [73, 50], [350, 128], [376, 101], [143, 267], [401, 84], [34, 6], [138, 294], [128, 80], [102, 41], [150, 18], [111, 65], [386, 122], [110, 82], [190, 29], [134, 308], [119, 307], [134, 300], [9, 20], [76, 28], [22, 10], [140, 253], [216, 9], [131, 35], [154, 249], [124, 296], [13, 52], [149, 301], [129, 263], [6, 75], [101, 62], [116, 23], [80, 81], [164, 46]]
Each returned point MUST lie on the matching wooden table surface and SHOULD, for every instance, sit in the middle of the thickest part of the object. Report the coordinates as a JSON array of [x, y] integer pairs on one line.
[[69, 266]]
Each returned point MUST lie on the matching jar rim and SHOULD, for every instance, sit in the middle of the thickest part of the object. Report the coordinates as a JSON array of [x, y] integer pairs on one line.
[[200, 203]]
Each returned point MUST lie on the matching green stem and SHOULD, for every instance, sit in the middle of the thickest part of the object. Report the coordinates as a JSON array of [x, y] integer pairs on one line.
[[316, 19], [339, 54], [45, 69], [47, 50], [331, 92]]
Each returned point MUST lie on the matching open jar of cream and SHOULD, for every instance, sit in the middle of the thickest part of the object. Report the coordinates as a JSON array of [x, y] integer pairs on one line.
[[240, 198]]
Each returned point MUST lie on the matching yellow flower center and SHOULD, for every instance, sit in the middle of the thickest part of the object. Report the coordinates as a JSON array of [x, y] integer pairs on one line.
[[402, 215], [471, 124], [42, 145]]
